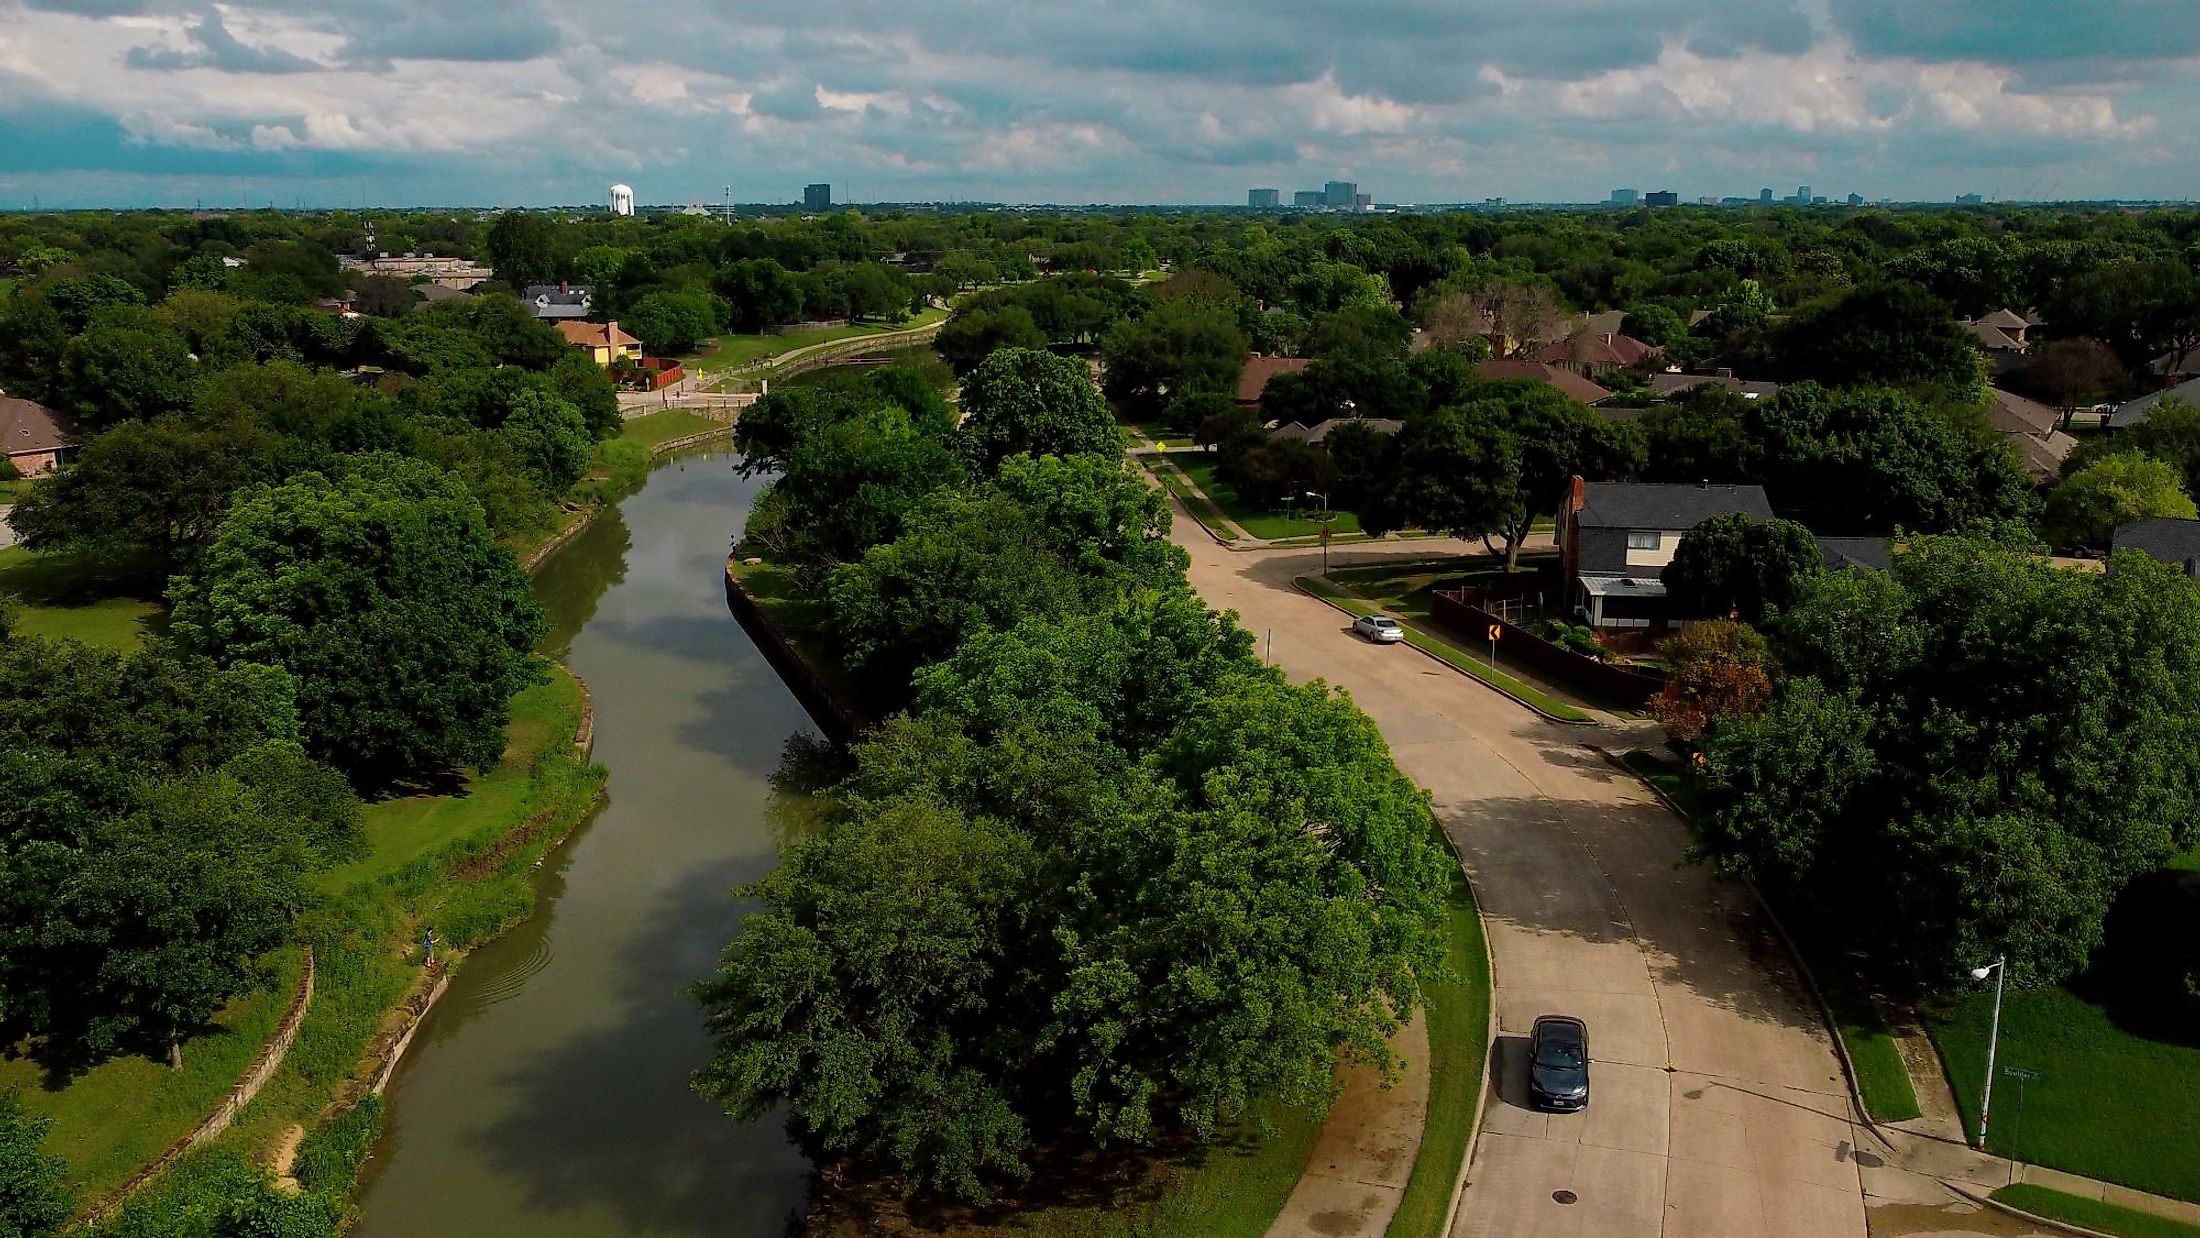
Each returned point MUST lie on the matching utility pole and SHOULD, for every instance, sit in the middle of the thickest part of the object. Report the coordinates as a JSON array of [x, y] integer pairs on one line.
[[2000, 970]]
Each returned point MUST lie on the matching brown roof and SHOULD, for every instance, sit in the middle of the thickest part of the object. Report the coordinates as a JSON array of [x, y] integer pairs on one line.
[[2013, 414], [27, 426], [1253, 379], [2007, 320], [594, 334], [1499, 369], [1993, 338], [1604, 350]]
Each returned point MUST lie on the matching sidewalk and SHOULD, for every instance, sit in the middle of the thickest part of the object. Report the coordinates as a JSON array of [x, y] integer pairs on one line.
[[1356, 1174]]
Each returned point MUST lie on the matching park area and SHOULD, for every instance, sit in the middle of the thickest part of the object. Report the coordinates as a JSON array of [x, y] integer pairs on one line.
[[1297, 519], [733, 352]]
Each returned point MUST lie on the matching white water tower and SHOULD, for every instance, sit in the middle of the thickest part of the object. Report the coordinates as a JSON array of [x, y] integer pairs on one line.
[[622, 200]]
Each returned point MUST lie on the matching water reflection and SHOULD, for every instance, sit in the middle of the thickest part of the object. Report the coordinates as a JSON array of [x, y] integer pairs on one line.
[[547, 1094]]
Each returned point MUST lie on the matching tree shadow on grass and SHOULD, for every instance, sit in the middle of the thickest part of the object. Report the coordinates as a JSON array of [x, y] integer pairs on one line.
[[63, 580], [2138, 975]]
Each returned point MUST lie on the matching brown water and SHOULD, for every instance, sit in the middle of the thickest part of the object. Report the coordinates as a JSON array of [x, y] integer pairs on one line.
[[547, 1094]]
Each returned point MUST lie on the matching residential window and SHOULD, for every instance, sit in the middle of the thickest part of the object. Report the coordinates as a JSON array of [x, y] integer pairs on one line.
[[1644, 541]]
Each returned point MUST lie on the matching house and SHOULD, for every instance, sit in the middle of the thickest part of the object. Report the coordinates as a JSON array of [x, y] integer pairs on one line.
[[1319, 434], [1666, 386], [1504, 369], [1615, 538], [603, 340], [36, 439], [2002, 335], [2175, 542], [1840, 554], [431, 294], [556, 301], [2140, 409], [1259, 368], [1592, 354], [2035, 430]]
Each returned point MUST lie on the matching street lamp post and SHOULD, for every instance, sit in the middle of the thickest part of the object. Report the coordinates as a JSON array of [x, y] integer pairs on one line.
[[1999, 970]]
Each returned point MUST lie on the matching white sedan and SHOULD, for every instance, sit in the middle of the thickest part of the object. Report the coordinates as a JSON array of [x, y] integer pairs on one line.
[[1381, 629]]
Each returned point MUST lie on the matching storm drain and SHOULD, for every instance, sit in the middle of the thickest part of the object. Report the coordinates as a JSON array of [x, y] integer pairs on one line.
[[1564, 1197]]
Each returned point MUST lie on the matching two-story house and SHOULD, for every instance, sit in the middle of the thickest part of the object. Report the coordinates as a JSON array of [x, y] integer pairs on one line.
[[603, 341], [1615, 538]]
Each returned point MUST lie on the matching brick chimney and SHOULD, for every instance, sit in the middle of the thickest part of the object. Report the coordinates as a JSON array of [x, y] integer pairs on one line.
[[1568, 530]]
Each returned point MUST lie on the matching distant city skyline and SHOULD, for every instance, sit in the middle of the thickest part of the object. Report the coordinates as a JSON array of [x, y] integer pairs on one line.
[[522, 102]]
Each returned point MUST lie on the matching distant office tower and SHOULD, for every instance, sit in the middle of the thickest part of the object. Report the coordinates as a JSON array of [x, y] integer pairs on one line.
[[1802, 194], [1263, 197], [1307, 197], [622, 200], [1765, 196], [1856, 199], [1624, 197], [1339, 193], [1661, 197], [1970, 199], [1362, 201], [817, 197]]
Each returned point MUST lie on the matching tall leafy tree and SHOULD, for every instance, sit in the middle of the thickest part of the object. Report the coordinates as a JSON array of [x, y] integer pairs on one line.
[[1894, 334], [34, 1195], [1021, 401], [2116, 489], [1735, 565], [406, 626], [523, 249], [1181, 346]]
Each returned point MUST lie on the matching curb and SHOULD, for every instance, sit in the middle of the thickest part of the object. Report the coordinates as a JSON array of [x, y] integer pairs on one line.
[[1977, 1196], [1545, 714], [1489, 1044]]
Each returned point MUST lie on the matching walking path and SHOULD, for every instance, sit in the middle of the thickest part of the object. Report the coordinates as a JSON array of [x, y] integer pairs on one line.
[[1356, 1174]]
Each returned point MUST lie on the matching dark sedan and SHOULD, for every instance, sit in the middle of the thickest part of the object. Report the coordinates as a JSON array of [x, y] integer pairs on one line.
[[1558, 1064]]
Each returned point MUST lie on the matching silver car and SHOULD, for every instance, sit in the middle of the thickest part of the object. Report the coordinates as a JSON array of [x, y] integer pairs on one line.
[[1381, 629]]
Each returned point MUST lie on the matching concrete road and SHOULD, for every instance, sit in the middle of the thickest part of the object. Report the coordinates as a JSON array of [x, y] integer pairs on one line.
[[1719, 1105]]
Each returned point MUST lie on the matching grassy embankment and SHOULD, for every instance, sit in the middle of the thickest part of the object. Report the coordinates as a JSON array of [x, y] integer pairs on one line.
[[458, 861], [1424, 636], [1458, 1035], [732, 352], [1881, 1078], [2092, 1214]]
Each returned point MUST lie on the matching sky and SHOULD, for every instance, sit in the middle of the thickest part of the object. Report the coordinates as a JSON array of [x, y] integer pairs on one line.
[[529, 102]]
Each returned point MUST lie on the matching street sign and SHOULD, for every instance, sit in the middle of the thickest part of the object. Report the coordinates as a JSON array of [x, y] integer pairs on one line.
[[2014, 1073], [1496, 631]]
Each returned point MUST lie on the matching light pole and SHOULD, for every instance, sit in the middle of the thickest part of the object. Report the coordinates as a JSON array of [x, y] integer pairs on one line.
[[1999, 970], [1324, 497]]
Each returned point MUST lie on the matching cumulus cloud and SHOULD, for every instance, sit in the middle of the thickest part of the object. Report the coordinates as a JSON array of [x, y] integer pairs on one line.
[[1130, 100], [213, 47]]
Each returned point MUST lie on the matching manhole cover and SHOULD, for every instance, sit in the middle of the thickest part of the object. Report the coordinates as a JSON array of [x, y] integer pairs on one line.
[[1564, 1197]]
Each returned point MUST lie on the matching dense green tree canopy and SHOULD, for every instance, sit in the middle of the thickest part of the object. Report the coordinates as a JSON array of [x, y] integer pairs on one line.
[[34, 1195], [1894, 335], [407, 629], [1994, 746], [1735, 565], [1021, 401], [2112, 490]]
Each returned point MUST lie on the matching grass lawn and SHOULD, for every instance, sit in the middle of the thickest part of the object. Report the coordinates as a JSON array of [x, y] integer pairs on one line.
[[10, 491], [650, 429], [1258, 521], [1452, 655], [63, 596], [1202, 508], [403, 829], [118, 1115], [1458, 1036], [1880, 1075], [735, 351], [2092, 1213], [2109, 1103]]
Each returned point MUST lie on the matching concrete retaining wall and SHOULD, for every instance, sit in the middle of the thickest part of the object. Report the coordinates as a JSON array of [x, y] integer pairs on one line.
[[834, 716]]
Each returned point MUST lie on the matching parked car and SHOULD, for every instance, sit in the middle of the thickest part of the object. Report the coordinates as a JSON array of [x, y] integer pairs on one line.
[[1558, 1064], [1381, 629]]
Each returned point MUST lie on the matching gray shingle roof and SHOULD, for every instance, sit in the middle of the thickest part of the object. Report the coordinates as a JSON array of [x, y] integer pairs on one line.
[[2138, 410], [1661, 505], [1876, 553], [2175, 542]]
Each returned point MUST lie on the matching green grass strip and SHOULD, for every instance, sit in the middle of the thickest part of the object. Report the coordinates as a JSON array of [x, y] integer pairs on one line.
[[1202, 508], [1458, 1013], [2092, 1213], [1458, 659]]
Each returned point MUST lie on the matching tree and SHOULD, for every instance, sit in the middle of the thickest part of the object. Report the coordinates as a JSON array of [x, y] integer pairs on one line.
[[977, 332], [2071, 372], [588, 387], [1735, 565], [551, 437], [1359, 459], [1891, 334], [2116, 489], [1181, 346], [1874, 460], [2144, 310], [597, 267], [523, 249], [671, 322], [2170, 433], [127, 364], [1971, 755], [380, 590], [1023, 401], [1713, 670], [34, 1195], [762, 293], [143, 490]]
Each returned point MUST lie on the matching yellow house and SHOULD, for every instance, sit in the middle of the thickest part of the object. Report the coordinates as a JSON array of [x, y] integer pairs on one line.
[[603, 340]]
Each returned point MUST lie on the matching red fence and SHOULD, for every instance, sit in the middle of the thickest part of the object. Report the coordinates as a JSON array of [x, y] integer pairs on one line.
[[1459, 610]]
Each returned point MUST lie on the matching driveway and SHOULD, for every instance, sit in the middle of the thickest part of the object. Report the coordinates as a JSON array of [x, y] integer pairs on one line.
[[1719, 1104]]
